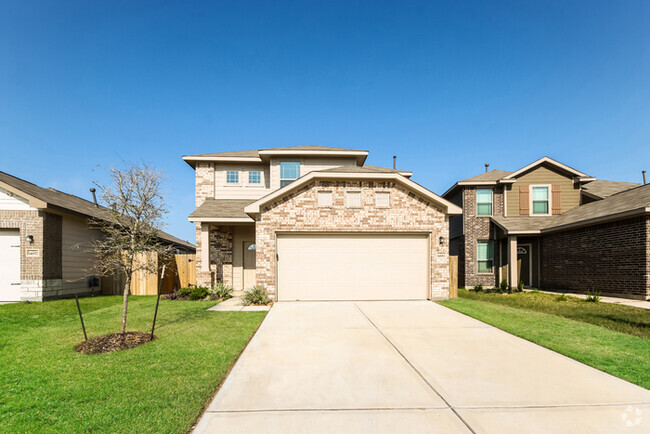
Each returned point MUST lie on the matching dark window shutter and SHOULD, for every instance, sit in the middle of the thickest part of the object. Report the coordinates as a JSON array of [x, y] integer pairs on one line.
[[524, 202]]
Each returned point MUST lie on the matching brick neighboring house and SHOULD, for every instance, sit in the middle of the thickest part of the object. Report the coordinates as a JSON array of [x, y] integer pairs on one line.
[[316, 223], [563, 230], [45, 241]]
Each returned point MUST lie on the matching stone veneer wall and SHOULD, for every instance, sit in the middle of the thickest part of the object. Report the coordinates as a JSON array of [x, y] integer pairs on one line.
[[478, 228], [299, 211], [40, 262], [613, 258], [220, 268]]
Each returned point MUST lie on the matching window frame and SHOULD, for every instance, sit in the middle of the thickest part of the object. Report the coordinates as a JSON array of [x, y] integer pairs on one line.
[[478, 261], [480, 203], [387, 193], [531, 202], [347, 199], [288, 181], [259, 172], [236, 172], [324, 192]]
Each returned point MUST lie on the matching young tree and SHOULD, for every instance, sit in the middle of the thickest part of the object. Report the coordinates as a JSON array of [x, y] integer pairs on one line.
[[133, 220]]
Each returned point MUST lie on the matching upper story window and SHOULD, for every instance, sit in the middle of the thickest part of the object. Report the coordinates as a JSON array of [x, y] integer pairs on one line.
[[483, 201], [382, 199], [353, 199], [540, 199], [232, 177], [324, 198], [289, 171], [254, 177]]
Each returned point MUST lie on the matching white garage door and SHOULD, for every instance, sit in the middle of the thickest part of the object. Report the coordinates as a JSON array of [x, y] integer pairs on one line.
[[9, 265], [352, 267]]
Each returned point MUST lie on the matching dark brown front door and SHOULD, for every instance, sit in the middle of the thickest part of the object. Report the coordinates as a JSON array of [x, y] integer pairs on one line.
[[523, 259]]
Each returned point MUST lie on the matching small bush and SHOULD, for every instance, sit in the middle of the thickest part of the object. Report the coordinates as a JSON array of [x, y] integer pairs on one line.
[[184, 292], [504, 285], [562, 297], [520, 286], [220, 291], [256, 295], [199, 293], [593, 296], [478, 288]]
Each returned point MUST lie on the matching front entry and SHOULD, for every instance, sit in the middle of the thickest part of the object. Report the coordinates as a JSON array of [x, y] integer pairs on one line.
[[249, 264], [524, 252]]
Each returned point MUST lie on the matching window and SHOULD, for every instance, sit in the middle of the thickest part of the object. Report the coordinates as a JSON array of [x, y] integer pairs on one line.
[[353, 199], [232, 177], [254, 177], [382, 199], [484, 201], [288, 172], [324, 198], [540, 200], [485, 256]]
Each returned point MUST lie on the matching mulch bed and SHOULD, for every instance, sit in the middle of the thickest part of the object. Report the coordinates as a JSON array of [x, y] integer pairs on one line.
[[113, 342]]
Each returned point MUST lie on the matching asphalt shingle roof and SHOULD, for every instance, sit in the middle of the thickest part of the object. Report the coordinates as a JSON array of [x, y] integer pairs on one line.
[[222, 208], [603, 188], [492, 175], [256, 152], [362, 169]]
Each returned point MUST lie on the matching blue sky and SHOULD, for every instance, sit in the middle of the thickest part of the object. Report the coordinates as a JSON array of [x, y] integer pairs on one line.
[[445, 86]]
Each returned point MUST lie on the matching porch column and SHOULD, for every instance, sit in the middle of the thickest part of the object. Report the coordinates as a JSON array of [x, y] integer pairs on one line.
[[512, 261], [205, 247]]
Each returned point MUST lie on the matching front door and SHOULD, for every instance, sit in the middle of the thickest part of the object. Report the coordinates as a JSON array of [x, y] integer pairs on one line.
[[523, 260], [249, 264]]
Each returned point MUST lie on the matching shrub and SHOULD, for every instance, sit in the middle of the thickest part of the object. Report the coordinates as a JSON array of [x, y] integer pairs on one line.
[[504, 285], [478, 288], [256, 295], [593, 296], [198, 293], [520, 286], [184, 292], [561, 298], [221, 291]]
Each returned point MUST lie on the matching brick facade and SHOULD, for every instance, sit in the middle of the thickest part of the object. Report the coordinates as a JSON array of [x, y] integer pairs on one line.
[[299, 211], [478, 228], [40, 261], [613, 258]]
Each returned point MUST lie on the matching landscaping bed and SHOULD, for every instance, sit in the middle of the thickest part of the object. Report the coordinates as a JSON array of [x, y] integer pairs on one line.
[[624, 355], [161, 386]]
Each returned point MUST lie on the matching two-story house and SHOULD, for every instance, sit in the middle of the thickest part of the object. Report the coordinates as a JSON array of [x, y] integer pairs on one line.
[[551, 226], [317, 223]]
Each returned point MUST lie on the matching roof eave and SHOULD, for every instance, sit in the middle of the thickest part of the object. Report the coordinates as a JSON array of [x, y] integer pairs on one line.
[[220, 219], [550, 161], [598, 220]]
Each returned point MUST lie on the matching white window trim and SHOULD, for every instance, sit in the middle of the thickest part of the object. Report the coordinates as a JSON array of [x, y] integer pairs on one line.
[[382, 192], [491, 202], [477, 260], [318, 196], [233, 184], [253, 184], [530, 200], [347, 203], [300, 168]]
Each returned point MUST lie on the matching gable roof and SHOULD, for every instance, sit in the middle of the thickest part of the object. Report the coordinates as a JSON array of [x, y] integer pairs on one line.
[[601, 188], [51, 199], [550, 161], [366, 168], [221, 210], [259, 155], [254, 208]]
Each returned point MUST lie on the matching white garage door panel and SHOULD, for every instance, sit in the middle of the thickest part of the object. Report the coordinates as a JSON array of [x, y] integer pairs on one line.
[[352, 267], [9, 265]]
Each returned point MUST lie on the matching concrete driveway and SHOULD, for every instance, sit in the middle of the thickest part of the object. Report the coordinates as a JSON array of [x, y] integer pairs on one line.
[[386, 367]]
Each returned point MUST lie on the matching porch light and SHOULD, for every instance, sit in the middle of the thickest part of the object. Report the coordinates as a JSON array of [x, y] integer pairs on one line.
[[442, 240], [30, 239], [252, 247]]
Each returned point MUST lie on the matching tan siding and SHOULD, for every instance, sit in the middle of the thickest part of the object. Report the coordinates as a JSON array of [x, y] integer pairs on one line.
[[544, 175], [11, 202], [243, 190], [307, 165], [76, 254]]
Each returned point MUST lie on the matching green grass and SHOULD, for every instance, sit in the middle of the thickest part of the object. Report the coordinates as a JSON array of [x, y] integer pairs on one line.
[[626, 319], [620, 354], [161, 386]]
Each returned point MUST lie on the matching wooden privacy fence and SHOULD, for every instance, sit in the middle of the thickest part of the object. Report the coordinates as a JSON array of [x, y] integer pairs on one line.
[[180, 272], [453, 276]]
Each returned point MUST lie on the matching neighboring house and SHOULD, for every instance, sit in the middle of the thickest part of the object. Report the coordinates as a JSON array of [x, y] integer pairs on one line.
[[315, 223], [45, 242], [563, 229]]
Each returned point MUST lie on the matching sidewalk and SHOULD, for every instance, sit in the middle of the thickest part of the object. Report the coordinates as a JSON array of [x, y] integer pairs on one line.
[[234, 305], [615, 300]]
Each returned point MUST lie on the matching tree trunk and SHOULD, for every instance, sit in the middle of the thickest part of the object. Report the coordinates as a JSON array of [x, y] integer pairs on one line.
[[125, 301]]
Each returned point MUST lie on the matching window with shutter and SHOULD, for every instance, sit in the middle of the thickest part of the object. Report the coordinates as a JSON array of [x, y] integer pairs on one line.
[[556, 199]]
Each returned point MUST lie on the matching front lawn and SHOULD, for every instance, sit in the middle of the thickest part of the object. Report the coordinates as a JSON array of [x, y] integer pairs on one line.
[[620, 354], [621, 318], [161, 386]]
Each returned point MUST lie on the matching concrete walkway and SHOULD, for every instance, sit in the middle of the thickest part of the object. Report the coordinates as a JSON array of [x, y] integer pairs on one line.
[[386, 367], [234, 305], [643, 304]]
